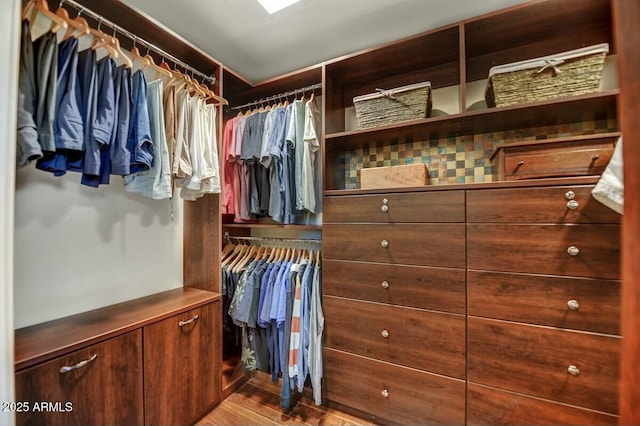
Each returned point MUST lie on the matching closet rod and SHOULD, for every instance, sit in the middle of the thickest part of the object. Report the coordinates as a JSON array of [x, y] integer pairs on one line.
[[271, 239], [281, 95], [82, 10]]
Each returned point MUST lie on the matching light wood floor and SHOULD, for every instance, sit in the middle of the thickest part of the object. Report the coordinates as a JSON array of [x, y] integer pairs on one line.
[[257, 402]]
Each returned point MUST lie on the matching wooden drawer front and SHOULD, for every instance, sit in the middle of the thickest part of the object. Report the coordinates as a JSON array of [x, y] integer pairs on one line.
[[563, 160], [489, 406], [538, 205], [535, 361], [435, 206], [440, 289], [546, 300], [416, 244], [429, 341], [105, 391], [413, 397], [180, 360], [543, 249]]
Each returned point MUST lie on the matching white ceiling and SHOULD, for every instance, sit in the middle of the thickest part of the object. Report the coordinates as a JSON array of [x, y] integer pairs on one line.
[[258, 46]]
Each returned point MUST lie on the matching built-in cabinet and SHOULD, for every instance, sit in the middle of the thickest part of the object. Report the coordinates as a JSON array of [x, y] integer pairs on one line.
[[152, 361]]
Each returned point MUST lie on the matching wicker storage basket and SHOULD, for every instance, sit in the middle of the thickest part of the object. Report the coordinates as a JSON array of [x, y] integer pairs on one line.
[[564, 74], [393, 106]]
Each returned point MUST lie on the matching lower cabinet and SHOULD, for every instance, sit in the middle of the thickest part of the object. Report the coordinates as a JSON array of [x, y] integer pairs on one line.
[[98, 385], [160, 364], [181, 380]]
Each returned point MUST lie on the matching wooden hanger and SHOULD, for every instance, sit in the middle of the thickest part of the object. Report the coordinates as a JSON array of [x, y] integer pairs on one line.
[[227, 250], [74, 28], [136, 56], [243, 248], [159, 70], [250, 255], [30, 11], [115, 45], [102, 40]]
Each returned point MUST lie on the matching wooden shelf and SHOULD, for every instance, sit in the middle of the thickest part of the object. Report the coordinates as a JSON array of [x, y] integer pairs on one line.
[[581, 180], [271, 226], [51, 339], [564, 110]]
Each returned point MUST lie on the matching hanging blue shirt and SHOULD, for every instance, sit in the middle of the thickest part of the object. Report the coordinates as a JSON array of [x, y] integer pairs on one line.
[[139, 142], [68, 127], [97, 163], [119, 153]]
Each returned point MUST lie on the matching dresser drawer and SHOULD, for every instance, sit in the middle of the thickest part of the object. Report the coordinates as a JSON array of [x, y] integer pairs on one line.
[[415, 244], [489, 406], [562, 159], [441, 289], [433, 206], [537, 361], [577, 303], [566, 204], [544, 249], [426, 340], [104, 390], [399, 394]]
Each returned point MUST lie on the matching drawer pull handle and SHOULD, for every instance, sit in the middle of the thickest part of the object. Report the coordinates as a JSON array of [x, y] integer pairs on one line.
[[385, 333], [572, 205], [189, 321], [573, 370], [520, 163], [384, 243], [385, 284], [573, 250], [384, 208], [570, 195], [385, 201], [67, 368], [385, 393], [573, 305], [595, 157]]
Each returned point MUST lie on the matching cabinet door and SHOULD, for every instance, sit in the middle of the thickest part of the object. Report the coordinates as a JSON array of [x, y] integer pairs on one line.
[[99, 385], [182, 362]]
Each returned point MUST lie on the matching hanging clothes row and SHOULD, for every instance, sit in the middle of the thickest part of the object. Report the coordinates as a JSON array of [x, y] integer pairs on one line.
[[272, 300], [273, 161], [101, 112]]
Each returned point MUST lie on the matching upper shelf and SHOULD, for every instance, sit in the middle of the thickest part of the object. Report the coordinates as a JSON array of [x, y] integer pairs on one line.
[[544, 113]]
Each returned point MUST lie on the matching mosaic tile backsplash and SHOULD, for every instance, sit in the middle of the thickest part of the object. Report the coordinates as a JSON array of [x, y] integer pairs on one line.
[[456, 158]]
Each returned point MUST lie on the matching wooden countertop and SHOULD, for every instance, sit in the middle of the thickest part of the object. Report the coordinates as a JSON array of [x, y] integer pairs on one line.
[[523, 183], [42, 342]]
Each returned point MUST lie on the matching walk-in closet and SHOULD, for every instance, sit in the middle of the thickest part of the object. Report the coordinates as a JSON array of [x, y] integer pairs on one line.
[[374, 213]]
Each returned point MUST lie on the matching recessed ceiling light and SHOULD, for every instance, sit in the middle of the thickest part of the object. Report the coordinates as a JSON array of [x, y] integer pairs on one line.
[[272, 6]]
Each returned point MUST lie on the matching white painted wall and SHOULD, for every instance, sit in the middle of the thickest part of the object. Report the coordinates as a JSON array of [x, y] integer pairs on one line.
[[9, 43], [79, 248]]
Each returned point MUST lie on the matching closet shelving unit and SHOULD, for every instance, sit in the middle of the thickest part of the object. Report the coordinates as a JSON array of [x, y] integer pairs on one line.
[[239, 91], [458, 57]]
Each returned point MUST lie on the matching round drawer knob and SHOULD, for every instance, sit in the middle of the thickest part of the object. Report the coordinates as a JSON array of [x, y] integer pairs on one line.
[[570, 195], [595, 157], [573, 305], [385, 201], [520, 163], [384, 243], [385, 333], [572, 205], [385, 393], [573, 250], [384, 208], [573, 370], [385, 284]]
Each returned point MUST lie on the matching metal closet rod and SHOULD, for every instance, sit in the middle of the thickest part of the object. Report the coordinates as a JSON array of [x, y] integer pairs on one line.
[[272, 239], [82, 10], [279, 96]]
